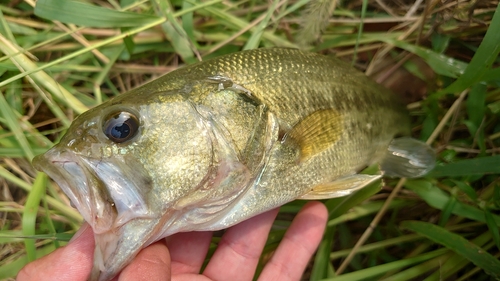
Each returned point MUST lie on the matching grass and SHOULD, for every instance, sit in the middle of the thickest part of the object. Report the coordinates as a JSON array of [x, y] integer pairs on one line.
[[442, 56]]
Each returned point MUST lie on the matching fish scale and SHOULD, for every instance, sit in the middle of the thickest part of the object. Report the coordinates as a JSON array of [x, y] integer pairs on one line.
[[217, 142]]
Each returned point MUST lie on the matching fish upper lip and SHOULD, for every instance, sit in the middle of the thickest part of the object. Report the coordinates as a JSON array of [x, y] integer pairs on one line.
[[99, 189], [52, 163], [76, 181]]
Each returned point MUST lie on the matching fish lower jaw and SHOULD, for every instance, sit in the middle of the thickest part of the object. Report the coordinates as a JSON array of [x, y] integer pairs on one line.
[[106, 245]]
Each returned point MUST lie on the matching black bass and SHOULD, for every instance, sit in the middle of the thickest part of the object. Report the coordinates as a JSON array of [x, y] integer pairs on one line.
[[215, 143]]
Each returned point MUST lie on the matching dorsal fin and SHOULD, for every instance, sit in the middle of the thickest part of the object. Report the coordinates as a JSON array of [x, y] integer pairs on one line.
[[316, 132]]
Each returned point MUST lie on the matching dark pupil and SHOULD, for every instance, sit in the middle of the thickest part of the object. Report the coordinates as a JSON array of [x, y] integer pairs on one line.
[[120, 127], [120, 131]]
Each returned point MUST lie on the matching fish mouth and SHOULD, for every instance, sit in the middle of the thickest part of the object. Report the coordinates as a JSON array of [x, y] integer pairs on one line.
[[116, 249], [78, 184], [107, 192], [112, 198]]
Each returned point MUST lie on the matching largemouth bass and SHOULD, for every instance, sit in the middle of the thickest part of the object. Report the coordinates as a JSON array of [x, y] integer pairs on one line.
[[215, 143]]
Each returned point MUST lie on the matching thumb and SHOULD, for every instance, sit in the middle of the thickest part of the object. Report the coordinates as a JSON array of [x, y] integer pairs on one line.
[[152, 263], [72, 262]]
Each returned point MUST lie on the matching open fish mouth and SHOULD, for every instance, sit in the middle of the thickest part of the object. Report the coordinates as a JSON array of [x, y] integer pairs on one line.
[[78, 183], [108, 201], [108, 193]]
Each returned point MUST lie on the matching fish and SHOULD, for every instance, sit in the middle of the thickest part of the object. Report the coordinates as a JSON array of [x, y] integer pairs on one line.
[[217, 142]]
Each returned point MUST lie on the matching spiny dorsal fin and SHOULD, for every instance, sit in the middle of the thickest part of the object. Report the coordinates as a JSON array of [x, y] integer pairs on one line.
[[316, 132]]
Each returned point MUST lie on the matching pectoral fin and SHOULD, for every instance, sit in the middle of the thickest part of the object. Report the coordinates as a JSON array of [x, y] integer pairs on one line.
[[340, 187], [316, 132], [408, 158]]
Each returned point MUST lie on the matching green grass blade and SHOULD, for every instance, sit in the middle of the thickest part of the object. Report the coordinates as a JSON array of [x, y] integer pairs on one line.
[[440, 42], [178, 37], [293, 8], [360, 31], [105, 72], [438, 199], [492, 75], [11, 269], [322, 257], [16, 152], [458, 244], [188, 22], [484, 57], [13, 124], [441, 64], [493, 227], [238, 24], [420, 270], [465, 188], [376, 271], [254, 40], [5, 29], [80, 52], [69, 11], [7, 236], [447, 211], [40, 77], [377, 245], [468, 167], [15, 236], [67, 210], [476, 106], [111, 40], [48, 219], [31, 211], [362, 211], [456, 262]]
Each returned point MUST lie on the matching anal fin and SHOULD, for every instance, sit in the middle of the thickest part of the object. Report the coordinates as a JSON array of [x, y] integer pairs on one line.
[[340, 187]]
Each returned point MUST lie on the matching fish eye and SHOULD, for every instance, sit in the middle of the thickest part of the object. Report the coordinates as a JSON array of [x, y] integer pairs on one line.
[[120, 126]]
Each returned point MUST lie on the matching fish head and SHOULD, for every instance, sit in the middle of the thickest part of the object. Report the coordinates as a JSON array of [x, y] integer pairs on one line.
[[124, 165]]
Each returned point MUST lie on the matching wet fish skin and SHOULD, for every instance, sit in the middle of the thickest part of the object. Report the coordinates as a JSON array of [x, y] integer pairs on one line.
[[221, 141]]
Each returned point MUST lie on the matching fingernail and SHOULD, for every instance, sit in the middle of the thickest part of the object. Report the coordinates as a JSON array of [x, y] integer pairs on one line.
[[80, 231]]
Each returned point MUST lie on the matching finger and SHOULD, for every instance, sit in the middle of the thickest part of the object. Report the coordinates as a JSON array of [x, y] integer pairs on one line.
[[298, 245], [151, 264], [239, 250], [72, 262], [188, 251]]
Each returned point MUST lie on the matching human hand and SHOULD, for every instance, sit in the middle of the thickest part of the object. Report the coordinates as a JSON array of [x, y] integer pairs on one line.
[[180, 257]]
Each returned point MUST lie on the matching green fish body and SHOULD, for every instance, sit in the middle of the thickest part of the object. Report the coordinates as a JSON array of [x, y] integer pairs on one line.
[[214, 143]]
